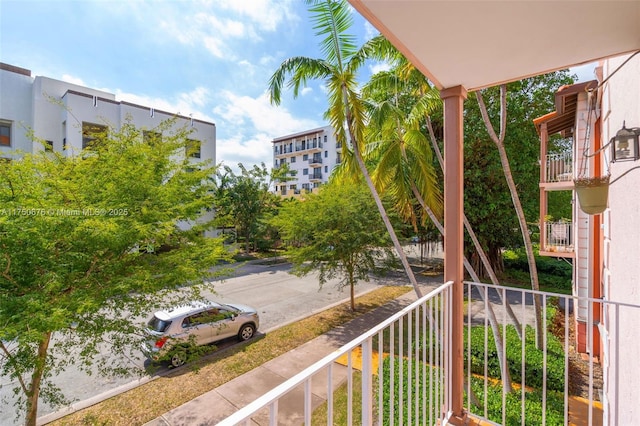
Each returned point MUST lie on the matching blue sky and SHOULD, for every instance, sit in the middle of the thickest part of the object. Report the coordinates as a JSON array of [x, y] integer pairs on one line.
[[209, 58], [212, 59]]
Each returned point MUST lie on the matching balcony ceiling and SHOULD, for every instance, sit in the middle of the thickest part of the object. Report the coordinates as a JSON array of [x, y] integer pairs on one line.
[[479, 43]]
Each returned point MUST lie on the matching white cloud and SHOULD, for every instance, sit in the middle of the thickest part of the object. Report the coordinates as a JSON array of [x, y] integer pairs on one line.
[[256, 123], [370, 31], [264, 117], [265, 14], [306, 90], [73, 80], [379, 67], [217, 23]]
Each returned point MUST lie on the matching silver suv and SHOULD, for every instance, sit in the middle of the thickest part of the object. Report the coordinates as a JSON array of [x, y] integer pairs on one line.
[[199, 323]]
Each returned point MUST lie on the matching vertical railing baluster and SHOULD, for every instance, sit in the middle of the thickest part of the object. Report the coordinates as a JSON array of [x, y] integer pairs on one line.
[[380, 377], [273, 413], [523, 355], [367, 382], [350, 388], [566, 358], [504, 356], [307, 402], [330, 395], [544, 359], [432, 363], [392, 373], [401, 370], [486, 349], [409, 369]]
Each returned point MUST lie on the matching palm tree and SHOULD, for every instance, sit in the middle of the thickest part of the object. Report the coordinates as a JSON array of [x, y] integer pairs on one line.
[[338, 69], [404, 169], [405, 78]]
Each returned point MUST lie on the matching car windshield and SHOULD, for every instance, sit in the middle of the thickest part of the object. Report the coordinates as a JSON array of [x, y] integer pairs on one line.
[[231, 308], [156, 324]]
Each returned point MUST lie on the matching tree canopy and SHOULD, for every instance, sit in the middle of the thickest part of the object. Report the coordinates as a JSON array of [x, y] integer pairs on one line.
[[338, 233], [86, 242]]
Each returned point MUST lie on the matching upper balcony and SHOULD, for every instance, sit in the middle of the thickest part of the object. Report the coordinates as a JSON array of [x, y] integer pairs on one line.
[[400, 371], [558, 172]]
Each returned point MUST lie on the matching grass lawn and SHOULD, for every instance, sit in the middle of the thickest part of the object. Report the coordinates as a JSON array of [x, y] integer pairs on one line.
[[155, 398]]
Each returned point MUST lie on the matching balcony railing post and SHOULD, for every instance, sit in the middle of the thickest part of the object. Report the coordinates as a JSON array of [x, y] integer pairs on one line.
[[367, 382], [453, 98]]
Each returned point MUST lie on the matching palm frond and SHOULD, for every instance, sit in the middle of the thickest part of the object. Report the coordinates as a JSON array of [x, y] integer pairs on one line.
[[332, 19]]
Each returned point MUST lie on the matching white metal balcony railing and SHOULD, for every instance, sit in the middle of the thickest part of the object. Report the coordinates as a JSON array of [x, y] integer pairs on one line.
[[559, 237], [397, 373], [559, 167]]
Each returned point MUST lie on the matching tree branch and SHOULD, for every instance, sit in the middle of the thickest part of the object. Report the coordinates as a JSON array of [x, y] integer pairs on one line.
[[16, 367]]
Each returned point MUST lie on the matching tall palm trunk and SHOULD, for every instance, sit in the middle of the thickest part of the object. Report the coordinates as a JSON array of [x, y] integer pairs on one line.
[[493, 321], [474, 239], [383, 213], [504, 160]]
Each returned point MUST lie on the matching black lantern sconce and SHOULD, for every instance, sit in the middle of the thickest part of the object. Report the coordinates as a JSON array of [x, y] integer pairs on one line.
[[624, 145]]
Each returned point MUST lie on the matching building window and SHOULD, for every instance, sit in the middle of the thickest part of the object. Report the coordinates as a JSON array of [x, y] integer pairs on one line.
[[293, 159], [92, 132], [151, 137], [305, 157], [305, 172], [194, 148], [294, 186], [326, 154], [325, 138], [326, 169], [5, 134], [48, 146]]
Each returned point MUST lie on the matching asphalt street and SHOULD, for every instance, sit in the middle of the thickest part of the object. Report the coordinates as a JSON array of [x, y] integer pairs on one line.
[[279, 296]]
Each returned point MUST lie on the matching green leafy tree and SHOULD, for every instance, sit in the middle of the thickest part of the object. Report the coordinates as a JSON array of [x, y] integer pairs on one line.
[[488, 202], [337, 233], [498, 138], [90, 244], [339, 70], [244, 201]]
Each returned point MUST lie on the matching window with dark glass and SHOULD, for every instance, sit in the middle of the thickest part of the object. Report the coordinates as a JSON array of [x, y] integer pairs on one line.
[[5, 134], [194, 148], [92, 133]]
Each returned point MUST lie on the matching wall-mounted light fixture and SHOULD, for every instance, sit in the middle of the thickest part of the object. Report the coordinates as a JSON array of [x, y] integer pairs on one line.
[[624, 145]]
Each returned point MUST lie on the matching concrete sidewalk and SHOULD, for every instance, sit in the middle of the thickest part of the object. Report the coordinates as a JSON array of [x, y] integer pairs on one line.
[[217, 404]]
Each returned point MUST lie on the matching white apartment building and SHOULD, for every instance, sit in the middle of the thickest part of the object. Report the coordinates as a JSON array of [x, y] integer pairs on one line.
[[66, 115], [311, 155]]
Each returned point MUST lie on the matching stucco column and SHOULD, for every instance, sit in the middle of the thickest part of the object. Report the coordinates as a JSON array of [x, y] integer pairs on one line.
[[453, 98]]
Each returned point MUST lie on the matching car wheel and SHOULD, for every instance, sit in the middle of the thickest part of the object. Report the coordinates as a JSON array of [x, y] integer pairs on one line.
[[246, 332], [178, 358]]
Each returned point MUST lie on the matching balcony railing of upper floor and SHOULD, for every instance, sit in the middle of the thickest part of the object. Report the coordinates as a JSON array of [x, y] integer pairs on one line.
[[397, 372], [559, 167], [558, 238]]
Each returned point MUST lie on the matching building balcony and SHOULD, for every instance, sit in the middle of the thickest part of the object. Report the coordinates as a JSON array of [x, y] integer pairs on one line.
[[315, 162], [557, 239], [315, 177], [558, 171], [400, 371], [286, 151]]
